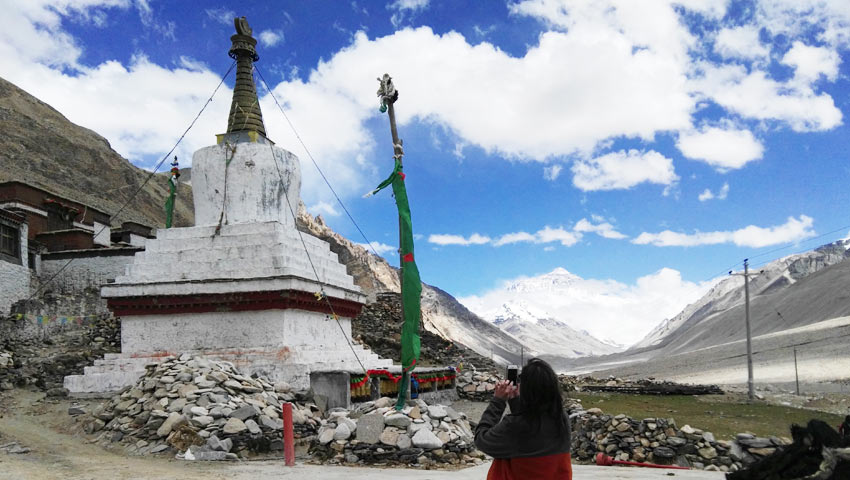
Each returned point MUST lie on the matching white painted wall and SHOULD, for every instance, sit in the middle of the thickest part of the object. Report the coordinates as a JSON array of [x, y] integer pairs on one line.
[[231, 330], [253, 192], [14, 284], [15, 278], [85, 272], [102, 238]]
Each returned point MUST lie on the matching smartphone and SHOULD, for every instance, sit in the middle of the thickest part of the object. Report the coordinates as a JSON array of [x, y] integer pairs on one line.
[[512, 373]]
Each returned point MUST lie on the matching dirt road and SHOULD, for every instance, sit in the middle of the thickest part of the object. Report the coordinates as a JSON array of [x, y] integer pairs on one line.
[[59, 451]]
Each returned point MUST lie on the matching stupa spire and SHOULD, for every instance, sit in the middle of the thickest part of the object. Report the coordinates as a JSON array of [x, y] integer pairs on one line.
[[245, 114]]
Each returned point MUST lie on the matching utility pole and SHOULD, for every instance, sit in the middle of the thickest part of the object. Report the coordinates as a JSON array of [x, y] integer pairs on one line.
[[796, 376], [750, 388]]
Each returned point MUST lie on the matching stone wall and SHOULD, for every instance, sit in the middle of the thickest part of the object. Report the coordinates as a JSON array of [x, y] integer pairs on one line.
[[89, 269], [655, 440], [14, 284]]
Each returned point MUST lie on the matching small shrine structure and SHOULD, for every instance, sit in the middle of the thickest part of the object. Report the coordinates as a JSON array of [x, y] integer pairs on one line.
[[241, 285]]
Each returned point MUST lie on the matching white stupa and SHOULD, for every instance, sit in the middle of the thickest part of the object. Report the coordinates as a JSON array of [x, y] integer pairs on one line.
[[238, 286]]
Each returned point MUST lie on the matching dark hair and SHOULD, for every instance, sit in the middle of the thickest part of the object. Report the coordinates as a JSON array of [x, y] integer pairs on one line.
[[540, 395]]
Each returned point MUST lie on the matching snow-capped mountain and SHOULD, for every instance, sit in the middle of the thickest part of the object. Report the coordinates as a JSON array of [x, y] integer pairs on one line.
[[773, 278], [558, 280], [545, 335]]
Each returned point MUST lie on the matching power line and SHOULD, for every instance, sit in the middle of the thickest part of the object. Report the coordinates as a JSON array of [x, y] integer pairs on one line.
[[147, 179], [321, 292], [303, 145]]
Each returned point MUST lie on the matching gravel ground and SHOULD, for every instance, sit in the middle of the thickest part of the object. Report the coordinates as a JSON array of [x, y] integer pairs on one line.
[[58, 450]]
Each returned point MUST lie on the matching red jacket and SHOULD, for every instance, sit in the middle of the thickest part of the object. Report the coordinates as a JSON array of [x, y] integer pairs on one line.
[[523, 451]]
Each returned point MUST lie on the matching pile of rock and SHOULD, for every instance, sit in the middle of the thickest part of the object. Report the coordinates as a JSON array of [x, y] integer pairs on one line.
[[645, 386], [379, 327], [375, 433], [200, 403], [105, 333], [476, 386], [747, 448], [655, 440]]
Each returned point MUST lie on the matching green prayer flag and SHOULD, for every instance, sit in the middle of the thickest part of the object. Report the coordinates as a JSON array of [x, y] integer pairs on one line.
[[411, 285], [169, 204]]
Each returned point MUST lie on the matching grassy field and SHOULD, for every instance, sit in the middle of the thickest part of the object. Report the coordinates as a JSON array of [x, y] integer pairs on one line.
[[722, 415]]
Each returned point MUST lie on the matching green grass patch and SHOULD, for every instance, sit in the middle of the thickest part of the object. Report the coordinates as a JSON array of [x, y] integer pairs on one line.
[[719, 414]]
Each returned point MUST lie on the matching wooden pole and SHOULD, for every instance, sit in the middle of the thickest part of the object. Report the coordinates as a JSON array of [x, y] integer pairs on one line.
[[750, 386], [398, 153]]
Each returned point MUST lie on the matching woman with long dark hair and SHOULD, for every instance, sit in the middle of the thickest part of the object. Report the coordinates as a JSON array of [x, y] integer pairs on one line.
[[533, 442]]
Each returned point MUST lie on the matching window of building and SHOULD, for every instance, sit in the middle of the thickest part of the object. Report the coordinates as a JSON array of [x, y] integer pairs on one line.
[[59, 218], [10, 241]]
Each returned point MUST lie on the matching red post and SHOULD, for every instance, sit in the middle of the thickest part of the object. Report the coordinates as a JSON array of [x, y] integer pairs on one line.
[[606, 461], [288, 436]]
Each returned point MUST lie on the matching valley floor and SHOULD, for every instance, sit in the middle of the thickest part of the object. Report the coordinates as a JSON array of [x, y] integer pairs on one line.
[[823, 361]]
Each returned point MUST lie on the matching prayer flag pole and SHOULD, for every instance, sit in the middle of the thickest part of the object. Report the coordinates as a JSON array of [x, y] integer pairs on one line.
[[411, 285]]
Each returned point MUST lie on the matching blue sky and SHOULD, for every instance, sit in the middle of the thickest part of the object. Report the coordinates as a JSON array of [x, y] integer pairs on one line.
[[646, 146]]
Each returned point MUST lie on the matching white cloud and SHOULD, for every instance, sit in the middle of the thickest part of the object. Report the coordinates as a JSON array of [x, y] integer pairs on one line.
[[794, 230], [624, 312], [404, 8], [723, 149], [811, 62], [826, 20], [740, 42], [754, 95], [448, 239], [603, 229], [547, 234], [378, 247], [324, 208], [622, 170], [721, 194], [638, 79], [565, 237], [221, 15], [552, 172], [270, 38]]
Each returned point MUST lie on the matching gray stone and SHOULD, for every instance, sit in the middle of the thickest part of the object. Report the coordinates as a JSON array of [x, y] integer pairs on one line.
[[663, 453], [425, 439], [174, 420], [403, 441], [397, 420], [389, 436], [436, 411], [415, 427], [676, 441], [76, 410], [245, 412], [253, 427], [271, 423], [369, 428], [177, 405], [452, 413], [234, 425], [159, 448], [221, 445], [708, 437], [326, 436], [199, 411], [352, 425], [342, 432], [202, 420]]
